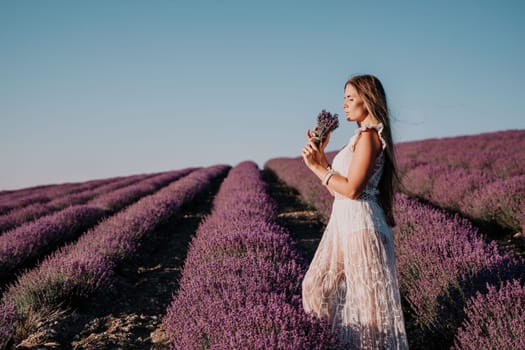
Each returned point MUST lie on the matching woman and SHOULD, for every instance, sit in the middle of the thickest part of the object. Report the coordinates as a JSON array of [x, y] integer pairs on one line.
[[352, 280]]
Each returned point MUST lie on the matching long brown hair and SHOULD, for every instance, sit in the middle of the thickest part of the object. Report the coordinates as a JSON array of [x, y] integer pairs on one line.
[[372, 92]]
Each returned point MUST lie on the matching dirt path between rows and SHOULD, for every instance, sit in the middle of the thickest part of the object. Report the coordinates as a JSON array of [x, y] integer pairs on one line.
[[129, 315], [304, 223]]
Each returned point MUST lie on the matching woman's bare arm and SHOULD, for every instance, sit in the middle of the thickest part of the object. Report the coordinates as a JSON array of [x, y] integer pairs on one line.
[[366, 150]]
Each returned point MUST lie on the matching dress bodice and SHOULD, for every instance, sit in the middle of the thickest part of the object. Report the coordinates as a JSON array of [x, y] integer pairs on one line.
[[342, 160]]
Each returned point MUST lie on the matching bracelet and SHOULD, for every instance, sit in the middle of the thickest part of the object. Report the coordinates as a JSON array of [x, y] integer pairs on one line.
[[327, 176]]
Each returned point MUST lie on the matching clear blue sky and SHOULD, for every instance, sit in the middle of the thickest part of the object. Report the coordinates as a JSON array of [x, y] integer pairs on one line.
[[93, 89]]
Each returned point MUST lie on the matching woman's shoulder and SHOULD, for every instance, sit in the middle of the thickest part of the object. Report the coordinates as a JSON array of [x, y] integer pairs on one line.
[[371, 135]]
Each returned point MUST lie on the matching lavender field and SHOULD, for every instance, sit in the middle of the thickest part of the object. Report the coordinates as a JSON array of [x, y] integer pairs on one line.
[[209, 258], [459, 237]]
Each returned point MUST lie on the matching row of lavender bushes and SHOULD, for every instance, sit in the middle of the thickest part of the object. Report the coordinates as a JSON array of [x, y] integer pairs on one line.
[[22, 246], [18, 193], [480, 176], [499, 154], [444, 268], [443, 262], [16, 217], [472, 192], [42, 194], [294, 173], [490, 318], [11, 194], [48, 192], [240, 286], [77, 271]]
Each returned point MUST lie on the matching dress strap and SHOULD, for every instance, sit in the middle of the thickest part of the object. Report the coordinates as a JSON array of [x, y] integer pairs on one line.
[[378, 127]]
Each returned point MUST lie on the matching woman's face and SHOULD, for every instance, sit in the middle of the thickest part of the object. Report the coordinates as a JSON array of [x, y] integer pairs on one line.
[[354, 106]]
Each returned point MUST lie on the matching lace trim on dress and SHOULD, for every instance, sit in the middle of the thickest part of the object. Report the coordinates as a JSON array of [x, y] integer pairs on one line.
[[379, 127]]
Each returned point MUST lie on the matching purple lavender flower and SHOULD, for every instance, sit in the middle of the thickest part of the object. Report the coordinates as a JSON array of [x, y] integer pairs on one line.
[[7, 321], [495, 320], [442, 260], [292, 171], [326, 123], [80, 268], [241, 279]]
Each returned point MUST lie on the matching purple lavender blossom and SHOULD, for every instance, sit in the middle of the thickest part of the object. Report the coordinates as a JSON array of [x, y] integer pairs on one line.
[[442, 260], [24, 245], [326, 123], [7, 320], [495, 320], [501, 201], [497, 153], [293, 172], [241, 279], [79, 269], [21, 246], [17, 217], [485, 181], [44, 194]]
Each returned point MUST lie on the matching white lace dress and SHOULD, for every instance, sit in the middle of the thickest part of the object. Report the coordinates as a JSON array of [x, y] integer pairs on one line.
[[352, 280]]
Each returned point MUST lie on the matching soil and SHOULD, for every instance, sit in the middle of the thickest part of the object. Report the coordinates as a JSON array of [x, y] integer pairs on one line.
[[304, 223], [129, 315]]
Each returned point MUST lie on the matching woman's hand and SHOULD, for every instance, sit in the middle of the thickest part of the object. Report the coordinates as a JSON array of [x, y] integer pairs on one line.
[[313, 155], [311, 135], [310, 154]]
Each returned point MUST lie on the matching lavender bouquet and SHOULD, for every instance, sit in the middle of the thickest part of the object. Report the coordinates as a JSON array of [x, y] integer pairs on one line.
[[326, 122]]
